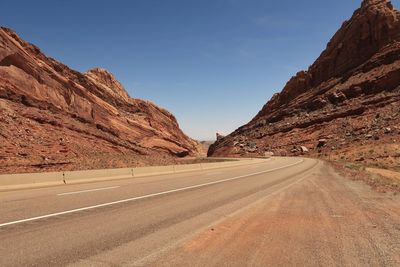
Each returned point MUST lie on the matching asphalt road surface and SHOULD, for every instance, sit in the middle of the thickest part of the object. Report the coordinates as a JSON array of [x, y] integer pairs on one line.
[[282, 212]]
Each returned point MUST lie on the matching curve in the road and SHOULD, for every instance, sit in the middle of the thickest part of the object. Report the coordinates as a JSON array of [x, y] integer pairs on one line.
[[145, 196]]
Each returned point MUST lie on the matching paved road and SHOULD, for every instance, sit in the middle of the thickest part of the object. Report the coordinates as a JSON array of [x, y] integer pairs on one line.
[[285, 211]]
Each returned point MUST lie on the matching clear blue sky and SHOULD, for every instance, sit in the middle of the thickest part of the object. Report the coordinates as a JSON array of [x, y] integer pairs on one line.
[[212, 63]]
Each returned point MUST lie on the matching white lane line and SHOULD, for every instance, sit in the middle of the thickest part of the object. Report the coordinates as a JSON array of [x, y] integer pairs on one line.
[[145, 196], [86, 191]]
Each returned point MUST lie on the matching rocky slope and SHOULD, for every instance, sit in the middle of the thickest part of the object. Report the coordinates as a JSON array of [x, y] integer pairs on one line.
[[52, 117], [345, 106]]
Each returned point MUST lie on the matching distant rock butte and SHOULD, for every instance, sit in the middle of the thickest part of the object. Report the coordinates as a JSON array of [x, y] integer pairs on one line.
[[350, 93], [51, 115]]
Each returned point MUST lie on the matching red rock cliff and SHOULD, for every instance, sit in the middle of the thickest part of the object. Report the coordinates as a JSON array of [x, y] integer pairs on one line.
[[52, 115], [349, 97]]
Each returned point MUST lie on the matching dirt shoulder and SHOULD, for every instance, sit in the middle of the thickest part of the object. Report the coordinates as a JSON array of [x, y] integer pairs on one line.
[[381, 180], [325, 220]]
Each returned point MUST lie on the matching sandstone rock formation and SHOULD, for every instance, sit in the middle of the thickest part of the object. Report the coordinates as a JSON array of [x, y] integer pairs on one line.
[[350, 96], [53, 117]]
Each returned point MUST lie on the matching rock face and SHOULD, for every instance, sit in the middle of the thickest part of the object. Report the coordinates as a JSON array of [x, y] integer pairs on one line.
[[219, 136], [102, 78], [51, 115], [352, 91]]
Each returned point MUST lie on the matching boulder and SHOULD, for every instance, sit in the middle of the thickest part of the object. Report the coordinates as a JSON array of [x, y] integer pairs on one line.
[[268, 154], [322, 142], [304, 149]]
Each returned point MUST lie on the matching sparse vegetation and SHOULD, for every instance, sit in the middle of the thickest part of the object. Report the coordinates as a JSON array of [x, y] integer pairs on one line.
[[359, 172]]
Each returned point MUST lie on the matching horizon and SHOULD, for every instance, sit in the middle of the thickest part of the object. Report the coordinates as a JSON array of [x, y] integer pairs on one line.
[[225, 55]]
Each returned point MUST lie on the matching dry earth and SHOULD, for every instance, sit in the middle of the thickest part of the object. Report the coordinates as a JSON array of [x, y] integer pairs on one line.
[[325, 220]]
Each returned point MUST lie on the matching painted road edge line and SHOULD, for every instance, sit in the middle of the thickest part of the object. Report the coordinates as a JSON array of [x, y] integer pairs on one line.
[[89, 190], [144, 197]]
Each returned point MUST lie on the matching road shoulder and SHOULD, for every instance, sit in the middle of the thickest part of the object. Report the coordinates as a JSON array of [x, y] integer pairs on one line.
[[324, 220]]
